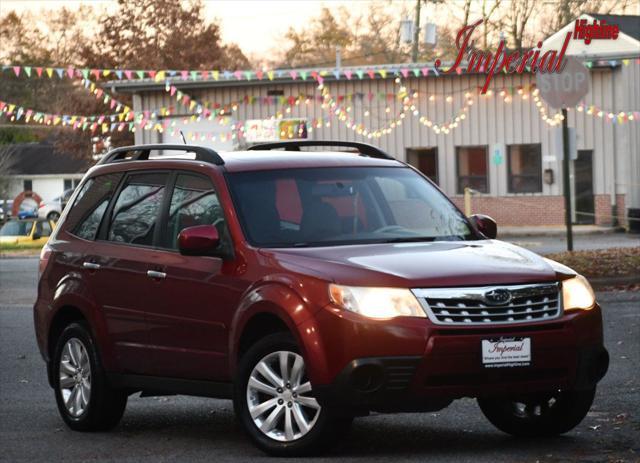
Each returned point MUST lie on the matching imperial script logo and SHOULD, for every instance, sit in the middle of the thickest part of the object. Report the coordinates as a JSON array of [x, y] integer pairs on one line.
[[498, 296]]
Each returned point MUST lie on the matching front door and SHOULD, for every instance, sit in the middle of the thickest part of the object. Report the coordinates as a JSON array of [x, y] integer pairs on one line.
[[583, 178], [190, 324]]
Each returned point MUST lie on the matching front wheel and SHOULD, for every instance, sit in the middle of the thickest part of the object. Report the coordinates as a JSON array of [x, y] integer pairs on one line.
[[274, 402], [546, 414]]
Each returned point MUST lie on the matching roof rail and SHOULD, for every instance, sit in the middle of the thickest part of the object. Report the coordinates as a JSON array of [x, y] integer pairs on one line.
[[141, 153], [363, 148]]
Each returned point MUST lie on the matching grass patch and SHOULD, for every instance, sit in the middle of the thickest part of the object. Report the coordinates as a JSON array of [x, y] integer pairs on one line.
[[19, 249], [614, 262]]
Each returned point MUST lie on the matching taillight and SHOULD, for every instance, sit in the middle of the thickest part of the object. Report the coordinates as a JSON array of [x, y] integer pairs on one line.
[[44, 259]]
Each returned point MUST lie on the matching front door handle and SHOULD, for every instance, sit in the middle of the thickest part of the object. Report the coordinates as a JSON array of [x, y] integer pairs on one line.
[[91, 265], [154, 274]]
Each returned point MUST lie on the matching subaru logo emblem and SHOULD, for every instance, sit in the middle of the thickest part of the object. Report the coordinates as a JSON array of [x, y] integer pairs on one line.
[[498, 296]]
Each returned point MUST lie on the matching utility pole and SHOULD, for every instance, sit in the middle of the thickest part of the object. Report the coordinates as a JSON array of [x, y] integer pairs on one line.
[[416, 34], [566, 179]]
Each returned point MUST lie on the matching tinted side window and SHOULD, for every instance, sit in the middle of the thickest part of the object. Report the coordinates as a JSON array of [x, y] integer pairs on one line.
[[193, 202], [134, 214], [43, 229], [86, 214]]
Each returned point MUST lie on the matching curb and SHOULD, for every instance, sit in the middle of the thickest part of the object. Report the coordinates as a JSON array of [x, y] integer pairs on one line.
[[602, 282], [20, 256], [558, 232]]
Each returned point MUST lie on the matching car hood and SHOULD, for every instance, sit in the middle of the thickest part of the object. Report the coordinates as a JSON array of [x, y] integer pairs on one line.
[[411, 265]]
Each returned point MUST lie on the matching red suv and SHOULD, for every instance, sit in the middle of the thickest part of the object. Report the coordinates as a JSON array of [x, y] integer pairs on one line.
[[308, 286]]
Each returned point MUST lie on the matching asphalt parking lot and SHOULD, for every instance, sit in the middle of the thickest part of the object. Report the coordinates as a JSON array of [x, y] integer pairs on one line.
[[190, 429]]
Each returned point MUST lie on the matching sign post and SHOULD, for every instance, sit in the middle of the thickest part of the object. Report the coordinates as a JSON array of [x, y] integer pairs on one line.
[[561, 91]]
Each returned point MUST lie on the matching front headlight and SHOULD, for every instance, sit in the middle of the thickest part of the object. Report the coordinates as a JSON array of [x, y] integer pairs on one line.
[[577, 293], [376, 302]]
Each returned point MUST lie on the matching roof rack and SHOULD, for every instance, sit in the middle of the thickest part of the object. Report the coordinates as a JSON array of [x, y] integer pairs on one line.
[[141, 153], [363, 148]]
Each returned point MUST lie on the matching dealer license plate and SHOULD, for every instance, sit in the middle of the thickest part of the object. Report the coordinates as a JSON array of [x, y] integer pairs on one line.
[[506, 352]]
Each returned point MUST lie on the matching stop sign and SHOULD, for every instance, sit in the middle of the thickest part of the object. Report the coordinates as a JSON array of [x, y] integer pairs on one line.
[[564, 89]]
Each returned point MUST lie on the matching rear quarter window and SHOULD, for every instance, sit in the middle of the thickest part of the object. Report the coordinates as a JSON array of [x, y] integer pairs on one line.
[[89, 206]]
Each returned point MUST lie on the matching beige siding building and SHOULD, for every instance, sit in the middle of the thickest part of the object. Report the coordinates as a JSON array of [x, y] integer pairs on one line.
[[501, 147]]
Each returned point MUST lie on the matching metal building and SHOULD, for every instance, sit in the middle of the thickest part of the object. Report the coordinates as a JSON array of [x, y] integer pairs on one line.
[[499, 144]]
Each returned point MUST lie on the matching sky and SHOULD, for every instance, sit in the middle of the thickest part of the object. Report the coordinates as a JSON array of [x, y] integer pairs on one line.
[[257, 26]]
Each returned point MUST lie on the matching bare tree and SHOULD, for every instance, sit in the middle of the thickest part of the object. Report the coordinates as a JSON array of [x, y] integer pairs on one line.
[[517, 17], [487, 26], [559, 13]]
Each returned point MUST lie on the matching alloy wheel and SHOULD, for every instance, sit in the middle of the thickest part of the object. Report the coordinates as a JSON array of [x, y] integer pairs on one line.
[[278, 397], [75, 377]]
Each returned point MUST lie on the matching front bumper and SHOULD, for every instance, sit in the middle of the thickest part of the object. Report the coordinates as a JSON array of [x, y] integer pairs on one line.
[[412, 365]]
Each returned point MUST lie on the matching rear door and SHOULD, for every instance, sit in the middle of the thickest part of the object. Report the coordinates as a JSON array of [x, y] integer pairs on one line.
[[123, 261], [189, 325]]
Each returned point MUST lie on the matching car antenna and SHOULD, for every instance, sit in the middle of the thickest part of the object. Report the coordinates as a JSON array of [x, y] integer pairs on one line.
[[184, 140]]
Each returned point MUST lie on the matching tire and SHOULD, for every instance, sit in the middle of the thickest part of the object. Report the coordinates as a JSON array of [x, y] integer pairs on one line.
[[104, 406], [325, 427], [548, 414], [53, 215]]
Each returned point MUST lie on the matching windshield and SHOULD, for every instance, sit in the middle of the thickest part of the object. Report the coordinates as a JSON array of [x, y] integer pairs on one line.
[[16, 229], [353, 205]]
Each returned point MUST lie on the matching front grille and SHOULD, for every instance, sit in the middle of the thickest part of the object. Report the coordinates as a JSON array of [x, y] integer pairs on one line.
[[491, 304]]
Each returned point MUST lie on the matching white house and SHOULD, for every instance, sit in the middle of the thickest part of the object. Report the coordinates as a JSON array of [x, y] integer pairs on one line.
[[40, 169]]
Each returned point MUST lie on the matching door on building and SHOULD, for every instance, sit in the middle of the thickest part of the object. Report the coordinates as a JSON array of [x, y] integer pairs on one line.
[[583, 186], [425, 160]]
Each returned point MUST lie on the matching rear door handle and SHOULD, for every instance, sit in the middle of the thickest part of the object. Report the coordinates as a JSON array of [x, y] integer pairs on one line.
[[91, 265], [155, 274]]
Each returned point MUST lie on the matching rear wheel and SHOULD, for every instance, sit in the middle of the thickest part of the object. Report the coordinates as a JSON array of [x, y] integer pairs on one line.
[[53, 215], [274, 402], [546, 414], [85, 399]]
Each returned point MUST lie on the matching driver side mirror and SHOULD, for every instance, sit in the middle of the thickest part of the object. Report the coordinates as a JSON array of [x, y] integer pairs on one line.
[[201, 240], [36, 236], [485, 225]]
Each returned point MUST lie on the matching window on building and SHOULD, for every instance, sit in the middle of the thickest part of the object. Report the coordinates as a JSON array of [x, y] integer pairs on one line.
[[68, 184], [524, 165], [425, 160], [27, 185], [472, 168]]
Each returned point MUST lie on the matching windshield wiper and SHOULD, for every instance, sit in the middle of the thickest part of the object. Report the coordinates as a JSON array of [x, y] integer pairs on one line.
[[410, 239]]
